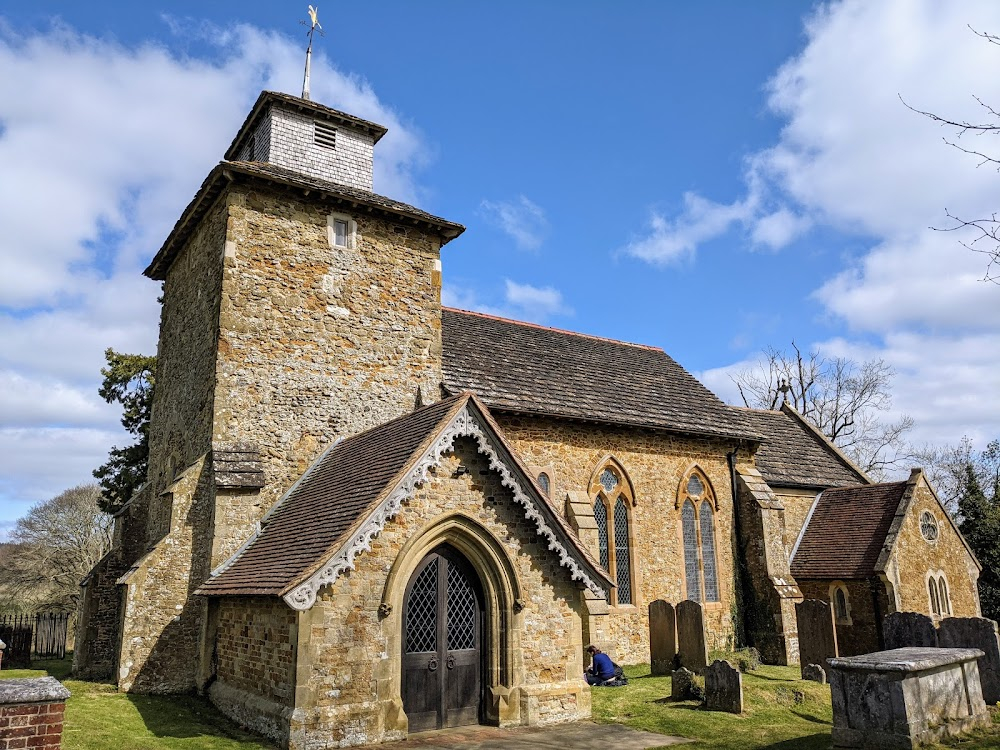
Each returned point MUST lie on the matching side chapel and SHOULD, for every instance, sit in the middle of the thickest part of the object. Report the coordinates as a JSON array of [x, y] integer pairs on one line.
[[367, 514]]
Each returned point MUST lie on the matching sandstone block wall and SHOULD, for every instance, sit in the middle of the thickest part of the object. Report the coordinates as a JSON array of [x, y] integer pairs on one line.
[[349, 661], [316, 342], [656, 464], [914, 557], [796, 504]]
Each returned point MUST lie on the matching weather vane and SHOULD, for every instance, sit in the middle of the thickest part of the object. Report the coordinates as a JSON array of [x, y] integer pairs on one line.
[[313, 26]]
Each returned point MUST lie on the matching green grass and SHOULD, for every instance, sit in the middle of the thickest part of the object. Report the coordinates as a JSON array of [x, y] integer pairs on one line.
[[781, 712], [100, 718]]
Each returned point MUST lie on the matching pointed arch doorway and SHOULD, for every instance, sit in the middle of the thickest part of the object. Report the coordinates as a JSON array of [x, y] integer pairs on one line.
[[442, 643]]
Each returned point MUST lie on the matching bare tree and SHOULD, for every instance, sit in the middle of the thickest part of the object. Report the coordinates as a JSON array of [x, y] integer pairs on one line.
[[947, 466], [845, 400], [985, 230], [55, 545]]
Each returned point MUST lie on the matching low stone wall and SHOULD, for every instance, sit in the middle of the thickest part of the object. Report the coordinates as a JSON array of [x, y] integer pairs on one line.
[[31, 713]]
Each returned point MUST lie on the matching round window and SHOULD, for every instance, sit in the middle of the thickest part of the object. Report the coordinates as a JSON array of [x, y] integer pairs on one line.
[[928, 526]]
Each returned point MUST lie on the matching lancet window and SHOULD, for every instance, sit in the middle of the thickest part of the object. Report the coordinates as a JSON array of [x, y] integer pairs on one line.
[[697, 504], [613, 501]]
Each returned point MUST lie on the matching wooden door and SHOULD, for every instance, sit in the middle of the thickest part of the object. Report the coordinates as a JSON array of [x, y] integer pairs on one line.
[[442, 637]]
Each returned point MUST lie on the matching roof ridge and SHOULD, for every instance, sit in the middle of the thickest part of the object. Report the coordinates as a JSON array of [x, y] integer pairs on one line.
[[526, 324]]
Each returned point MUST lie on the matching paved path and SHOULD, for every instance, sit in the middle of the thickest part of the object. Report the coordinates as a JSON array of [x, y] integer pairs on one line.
[[581, 735]]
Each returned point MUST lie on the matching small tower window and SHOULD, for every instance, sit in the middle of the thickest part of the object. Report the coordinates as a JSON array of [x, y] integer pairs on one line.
[[325, 135], [543, 482], [340, 233]]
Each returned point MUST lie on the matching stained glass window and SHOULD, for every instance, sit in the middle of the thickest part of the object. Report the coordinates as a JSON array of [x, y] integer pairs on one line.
[[928, 526], [609, 481], [421, 611], [708, 552], [601, 517], [695, 487], [691, 572], [840, 603], [623, 571], [543, 482]]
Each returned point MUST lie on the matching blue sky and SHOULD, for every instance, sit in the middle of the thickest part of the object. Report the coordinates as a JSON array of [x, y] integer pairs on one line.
[[712, 178]]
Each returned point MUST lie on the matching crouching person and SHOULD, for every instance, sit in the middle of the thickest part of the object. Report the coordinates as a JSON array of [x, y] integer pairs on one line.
[[601, 669]]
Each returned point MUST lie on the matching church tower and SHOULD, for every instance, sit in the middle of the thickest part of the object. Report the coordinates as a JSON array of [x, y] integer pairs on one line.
[[299, 307]]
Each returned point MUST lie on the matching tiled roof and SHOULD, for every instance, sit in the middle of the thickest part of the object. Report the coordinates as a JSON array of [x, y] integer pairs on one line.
[[326, 502], [846, 530], [267, 98], [344, 195], [520, 367], [793, 455], [345, 485]]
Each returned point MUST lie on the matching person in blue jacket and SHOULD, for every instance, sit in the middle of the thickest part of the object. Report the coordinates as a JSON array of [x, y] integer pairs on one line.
[[601, 668]]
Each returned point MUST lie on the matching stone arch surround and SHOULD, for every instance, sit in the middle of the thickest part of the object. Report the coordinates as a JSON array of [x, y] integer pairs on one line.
[[503, 603]]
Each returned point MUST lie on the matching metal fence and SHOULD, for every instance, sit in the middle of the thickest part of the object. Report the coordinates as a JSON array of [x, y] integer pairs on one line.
[[42, 634]]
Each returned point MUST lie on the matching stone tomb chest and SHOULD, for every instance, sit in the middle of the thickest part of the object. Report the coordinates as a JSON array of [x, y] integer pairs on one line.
[[905, 697]]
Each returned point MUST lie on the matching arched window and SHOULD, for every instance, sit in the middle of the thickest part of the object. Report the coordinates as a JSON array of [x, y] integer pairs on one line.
[[613, 499], [933, 592], [697, 505], [943, 597], [543, 482], [841, 603]]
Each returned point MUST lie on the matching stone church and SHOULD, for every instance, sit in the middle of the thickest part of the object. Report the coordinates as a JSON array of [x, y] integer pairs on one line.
[[367, 514]]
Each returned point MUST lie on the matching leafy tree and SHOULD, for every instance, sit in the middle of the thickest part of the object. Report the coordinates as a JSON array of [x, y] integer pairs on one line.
[[980, 525], [984, 230], [844, 399], [55, 545], [128, 380]]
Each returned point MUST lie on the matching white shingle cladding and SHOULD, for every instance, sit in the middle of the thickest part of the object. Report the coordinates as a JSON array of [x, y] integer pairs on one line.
[[291, 144], [259, 144]]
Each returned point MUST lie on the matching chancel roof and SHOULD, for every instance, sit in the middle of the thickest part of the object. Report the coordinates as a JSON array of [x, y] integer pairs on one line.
[[846, 531], [521, 367], [795, 454], [346, 497]]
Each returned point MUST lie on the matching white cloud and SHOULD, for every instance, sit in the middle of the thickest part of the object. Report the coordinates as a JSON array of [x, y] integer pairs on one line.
[[105, 144], [523, 220], [520, 302], [851, 157]]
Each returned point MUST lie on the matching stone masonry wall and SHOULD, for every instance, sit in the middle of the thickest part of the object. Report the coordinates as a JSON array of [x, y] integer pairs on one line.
[[350, 655], [859, 635], [292, 145], [914, 557], [796, 505], [316, 342], [181, 422], [656, 463]]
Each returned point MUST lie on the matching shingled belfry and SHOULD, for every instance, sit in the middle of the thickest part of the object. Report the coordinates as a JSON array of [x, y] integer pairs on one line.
[[368, 515]]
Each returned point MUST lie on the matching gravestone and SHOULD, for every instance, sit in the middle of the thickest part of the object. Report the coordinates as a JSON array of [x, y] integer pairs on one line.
[[692, 650], [976, 632], [662, 637], [814, 672], [681, 681], [723, 687], [906, 697], [817, 633], [908, 630]]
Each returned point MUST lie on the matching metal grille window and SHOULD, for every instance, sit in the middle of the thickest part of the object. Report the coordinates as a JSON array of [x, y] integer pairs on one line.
[[325, 135], [421, 611], [708, 553], [689, 528], [601, 517], [461, 610], [623, 565]]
